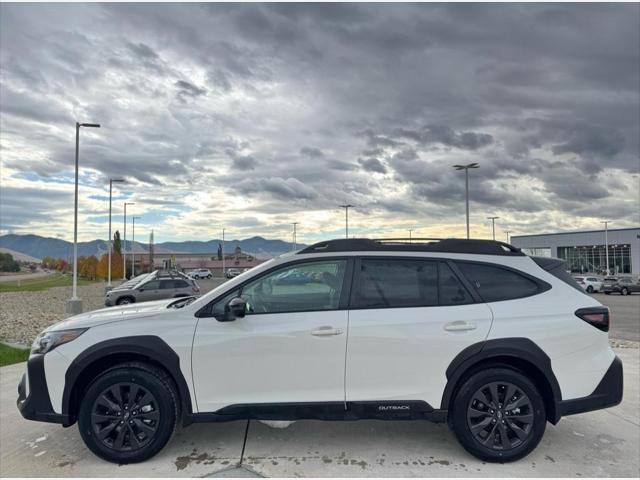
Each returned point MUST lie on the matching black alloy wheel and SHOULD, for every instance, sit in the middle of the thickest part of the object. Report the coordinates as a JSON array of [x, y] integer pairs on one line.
[[498, 413], [589, 289], [500, 416], [624, 291], [129, 413], [125, 417]]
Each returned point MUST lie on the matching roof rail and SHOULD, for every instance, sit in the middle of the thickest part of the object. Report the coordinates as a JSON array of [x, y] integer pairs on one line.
[[444, 245]]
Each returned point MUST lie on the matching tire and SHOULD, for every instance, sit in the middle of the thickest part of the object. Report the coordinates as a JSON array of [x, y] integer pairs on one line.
[[607, 293], [589, 289], [209, 277], [624, 291], [468, 411], [106, 406], [125, 301]]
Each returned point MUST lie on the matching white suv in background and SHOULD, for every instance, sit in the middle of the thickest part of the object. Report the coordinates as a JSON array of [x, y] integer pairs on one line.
[[589, 283], [469, 332], [200, 273]]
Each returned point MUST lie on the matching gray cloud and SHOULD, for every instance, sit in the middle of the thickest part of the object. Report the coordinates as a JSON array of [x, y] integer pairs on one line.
[[307, 101]]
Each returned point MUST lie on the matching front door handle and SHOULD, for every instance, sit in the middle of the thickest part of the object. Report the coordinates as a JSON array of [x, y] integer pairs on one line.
[[460, 326], [326, 331]]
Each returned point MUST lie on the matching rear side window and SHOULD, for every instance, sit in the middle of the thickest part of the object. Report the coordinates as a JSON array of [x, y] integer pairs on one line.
[[396, 283], [180, 284], [494, 284]]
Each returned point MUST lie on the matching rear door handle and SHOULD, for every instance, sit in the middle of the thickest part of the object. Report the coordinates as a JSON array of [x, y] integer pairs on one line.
[[326, 331], [460, 326]]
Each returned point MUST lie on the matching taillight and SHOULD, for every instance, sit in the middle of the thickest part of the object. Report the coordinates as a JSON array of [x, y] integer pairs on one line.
[[196, 289], [596, 316]]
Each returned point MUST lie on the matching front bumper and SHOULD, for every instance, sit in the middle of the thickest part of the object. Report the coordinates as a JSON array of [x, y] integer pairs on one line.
[[37, 406], [608, 393]]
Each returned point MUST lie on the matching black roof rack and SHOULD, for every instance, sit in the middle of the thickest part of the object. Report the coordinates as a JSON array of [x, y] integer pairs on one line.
[[445, 245]]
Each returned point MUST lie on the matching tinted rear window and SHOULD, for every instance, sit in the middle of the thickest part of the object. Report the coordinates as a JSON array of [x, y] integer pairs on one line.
[[494, 283], [452, 292], [558, 269], [396, 283]]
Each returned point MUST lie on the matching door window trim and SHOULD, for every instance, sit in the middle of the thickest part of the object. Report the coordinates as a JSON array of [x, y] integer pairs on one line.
[[343, 303]]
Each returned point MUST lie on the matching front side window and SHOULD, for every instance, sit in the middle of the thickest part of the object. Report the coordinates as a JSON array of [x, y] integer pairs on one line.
[[494, 284], [385, 283], [301, 287]]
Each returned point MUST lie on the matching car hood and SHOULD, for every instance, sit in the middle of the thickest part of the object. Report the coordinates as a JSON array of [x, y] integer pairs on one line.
[[114, 314]]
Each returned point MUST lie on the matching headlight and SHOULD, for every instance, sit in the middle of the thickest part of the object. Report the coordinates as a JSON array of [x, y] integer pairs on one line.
[[47, 341]]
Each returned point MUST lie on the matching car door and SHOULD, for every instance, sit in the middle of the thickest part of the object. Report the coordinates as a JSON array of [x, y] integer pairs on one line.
[[148, 291], [289, 348], [408, 320]]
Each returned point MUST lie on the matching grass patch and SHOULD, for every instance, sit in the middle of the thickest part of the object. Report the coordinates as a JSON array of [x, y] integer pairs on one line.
[[42, 283], [10, 355]]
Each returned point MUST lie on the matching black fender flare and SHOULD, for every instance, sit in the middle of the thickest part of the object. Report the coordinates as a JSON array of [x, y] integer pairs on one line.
[[149, 346], [520, 349]]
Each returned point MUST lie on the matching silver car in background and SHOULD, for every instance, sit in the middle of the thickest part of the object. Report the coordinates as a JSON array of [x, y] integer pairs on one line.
[[152, 286]]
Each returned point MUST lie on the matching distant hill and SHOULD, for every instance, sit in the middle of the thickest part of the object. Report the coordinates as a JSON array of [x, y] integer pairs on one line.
[[38, 247], [19, 257]]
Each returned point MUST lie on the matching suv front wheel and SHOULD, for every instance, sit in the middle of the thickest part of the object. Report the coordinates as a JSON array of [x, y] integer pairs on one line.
[[498, 415], [128, 413]]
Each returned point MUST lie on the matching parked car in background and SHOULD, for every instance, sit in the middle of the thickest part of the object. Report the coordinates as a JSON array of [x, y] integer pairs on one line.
[[621, 285], [590, 283], [232, 272], [152, 286], [200, 273]]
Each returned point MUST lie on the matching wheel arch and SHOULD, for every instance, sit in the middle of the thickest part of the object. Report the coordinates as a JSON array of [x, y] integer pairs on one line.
[[101, 356], [519, 353]]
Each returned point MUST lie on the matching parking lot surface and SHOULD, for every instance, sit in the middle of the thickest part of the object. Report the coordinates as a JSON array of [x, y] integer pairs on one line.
[[602, 443], [625, 315]]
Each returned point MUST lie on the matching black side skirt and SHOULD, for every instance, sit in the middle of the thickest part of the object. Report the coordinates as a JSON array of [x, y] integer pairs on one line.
[[383, 410]]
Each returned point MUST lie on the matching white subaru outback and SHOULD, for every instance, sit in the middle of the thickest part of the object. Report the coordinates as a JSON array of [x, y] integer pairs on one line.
[[471, 332]]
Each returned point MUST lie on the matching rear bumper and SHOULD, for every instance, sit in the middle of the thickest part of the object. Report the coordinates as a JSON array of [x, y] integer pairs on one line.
[[608, 393], [37, 406]]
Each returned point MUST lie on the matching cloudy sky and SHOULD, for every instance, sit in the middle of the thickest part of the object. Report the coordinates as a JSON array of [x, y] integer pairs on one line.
[[255, 116]]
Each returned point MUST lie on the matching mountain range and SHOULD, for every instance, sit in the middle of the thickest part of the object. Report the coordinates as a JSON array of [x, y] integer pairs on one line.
[[39, 247]]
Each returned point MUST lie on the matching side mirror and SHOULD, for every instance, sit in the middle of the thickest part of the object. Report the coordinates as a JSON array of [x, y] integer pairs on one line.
[[235, 308]]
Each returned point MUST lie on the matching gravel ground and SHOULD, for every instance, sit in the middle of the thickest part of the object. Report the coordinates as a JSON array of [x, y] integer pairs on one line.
[[23, 315]]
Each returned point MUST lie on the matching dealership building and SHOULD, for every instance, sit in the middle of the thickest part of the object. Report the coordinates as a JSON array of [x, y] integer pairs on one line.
[[586, 251]]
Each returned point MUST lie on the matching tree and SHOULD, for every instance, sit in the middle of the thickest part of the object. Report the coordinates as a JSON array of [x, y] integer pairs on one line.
[[88, 267], [219, 251], [117, 244], [102, 267], [8, 264]]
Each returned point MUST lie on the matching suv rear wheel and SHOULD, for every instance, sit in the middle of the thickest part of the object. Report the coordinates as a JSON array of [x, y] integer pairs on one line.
[[128, 413], [624, 291], [124, 301], [498, 415]]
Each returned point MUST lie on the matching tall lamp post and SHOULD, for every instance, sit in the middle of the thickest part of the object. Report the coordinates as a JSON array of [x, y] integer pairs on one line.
[[124, 243], [224, 270], [133, 247], [295, 238], [111, 182], [508, 232], [74, 304], [466, 184], [410, 231], [346, 218], [606, 243], [493, 225]]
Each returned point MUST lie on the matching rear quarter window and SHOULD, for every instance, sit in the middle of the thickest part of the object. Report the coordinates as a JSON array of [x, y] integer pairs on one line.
[[494, 283]]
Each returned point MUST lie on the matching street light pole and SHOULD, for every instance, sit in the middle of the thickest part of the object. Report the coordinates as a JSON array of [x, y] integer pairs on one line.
[[466, 186], [224, 270], [346, 218], [74, 305], [508, 232], [295, 235], [606, 243], [111, 182], [133, 247], [493, 225], [410, 230], [124, 243]]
